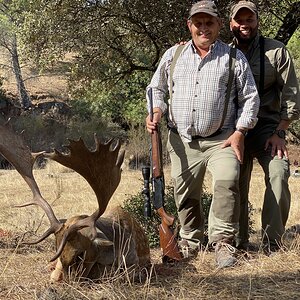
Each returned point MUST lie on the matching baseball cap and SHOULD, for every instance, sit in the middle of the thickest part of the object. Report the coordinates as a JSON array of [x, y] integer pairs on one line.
[[208, 7], [243, 4]]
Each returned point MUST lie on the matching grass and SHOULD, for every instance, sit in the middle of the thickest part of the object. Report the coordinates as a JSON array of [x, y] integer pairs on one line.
[[24, 270]]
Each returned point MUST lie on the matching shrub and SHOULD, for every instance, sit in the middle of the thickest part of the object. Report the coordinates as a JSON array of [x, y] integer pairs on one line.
[[135, 206]]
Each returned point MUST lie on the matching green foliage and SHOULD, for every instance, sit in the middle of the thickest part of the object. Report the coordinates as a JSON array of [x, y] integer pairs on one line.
[[294, 48], [135, 206], [116, 45], [124, 102]]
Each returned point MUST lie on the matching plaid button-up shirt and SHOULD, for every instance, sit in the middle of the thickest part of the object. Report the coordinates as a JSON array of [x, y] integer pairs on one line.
[[199, 89]]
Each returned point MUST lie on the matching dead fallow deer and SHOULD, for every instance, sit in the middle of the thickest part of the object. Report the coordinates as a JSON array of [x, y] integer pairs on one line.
[[92, 243]]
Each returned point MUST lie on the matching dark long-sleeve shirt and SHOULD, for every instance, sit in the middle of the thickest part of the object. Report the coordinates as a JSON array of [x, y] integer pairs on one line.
[[280, 99]]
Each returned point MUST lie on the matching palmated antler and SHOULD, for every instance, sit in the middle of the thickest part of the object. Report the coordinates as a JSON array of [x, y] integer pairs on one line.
[[102, 170], [14, 149]]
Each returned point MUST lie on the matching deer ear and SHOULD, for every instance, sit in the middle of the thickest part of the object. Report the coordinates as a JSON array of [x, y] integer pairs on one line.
[[103, 242], [102, 239]]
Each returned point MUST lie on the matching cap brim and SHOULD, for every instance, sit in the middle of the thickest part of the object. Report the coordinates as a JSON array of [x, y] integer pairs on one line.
[[205, 12], [237, 10]]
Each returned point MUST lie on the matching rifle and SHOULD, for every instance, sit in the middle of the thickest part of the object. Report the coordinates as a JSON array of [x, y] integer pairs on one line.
[[168, 241]]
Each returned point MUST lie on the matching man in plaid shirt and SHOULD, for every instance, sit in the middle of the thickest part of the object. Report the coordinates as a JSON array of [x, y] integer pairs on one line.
[[199, 138]]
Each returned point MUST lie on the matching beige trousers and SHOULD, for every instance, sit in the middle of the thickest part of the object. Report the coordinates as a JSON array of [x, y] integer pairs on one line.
[[189, 162]]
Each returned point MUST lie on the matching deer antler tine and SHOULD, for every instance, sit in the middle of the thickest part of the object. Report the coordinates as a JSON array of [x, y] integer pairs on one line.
[[120, 159], [97, 141], [44, 236], [115, 149]]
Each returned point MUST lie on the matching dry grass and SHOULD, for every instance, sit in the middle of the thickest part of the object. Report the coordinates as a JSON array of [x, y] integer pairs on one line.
[[24, 270], [49, 83]]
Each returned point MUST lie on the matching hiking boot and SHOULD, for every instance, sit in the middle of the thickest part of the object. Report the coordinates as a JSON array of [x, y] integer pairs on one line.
[[225, 255], [186, 250], [248, 247]]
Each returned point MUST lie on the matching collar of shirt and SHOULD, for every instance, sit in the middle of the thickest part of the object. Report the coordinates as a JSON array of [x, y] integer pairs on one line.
[[211, 47], [252, 46]]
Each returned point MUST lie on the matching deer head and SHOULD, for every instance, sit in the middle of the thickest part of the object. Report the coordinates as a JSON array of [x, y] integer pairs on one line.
[[100, 167]]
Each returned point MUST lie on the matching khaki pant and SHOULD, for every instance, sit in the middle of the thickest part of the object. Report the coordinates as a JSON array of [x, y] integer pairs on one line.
[[277, 197], [189, 162]]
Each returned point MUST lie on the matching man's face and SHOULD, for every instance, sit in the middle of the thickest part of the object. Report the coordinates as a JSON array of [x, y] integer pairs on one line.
[[244, 25], [204, 29]]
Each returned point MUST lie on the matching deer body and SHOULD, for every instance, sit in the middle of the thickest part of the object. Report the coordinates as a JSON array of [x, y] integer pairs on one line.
[[120, 243], [86, 245]]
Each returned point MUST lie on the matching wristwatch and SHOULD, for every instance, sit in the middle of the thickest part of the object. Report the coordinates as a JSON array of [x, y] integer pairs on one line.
[[280, 132], [242, 131]]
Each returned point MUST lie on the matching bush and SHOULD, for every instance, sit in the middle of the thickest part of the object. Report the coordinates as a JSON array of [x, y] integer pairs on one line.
[[135, 206]]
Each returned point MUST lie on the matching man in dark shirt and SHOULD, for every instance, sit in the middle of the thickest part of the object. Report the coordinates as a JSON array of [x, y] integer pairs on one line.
[[276, 80]]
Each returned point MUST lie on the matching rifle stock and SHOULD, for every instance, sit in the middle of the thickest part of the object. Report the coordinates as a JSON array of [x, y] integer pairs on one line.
[[168, 241]]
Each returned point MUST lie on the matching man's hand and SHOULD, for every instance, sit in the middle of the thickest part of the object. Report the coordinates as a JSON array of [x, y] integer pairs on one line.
[[152, 125], [278, 146], [236, 141]]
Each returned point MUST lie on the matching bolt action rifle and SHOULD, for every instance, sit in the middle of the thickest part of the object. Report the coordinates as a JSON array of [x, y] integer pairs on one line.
[[168, 241]]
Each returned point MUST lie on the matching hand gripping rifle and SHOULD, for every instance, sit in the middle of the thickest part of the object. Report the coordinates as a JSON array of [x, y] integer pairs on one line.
[[168, 242]]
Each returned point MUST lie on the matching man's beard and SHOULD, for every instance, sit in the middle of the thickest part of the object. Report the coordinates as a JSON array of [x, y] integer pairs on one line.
[[244, 39]]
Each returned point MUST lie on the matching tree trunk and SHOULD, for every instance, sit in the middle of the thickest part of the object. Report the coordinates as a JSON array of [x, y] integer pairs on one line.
[[24, 96], [290, 23]]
